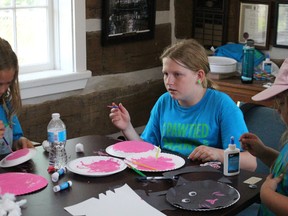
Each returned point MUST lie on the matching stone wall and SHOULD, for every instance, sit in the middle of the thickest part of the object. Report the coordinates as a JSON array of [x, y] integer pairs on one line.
[[88, 114]]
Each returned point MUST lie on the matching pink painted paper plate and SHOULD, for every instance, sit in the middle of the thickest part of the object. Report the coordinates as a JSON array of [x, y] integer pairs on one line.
[[18, 157], [126, 148], [150, 163], [96, 166], [21, 183]]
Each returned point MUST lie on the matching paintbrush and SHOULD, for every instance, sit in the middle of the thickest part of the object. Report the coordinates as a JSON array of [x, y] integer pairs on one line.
[[141, 164], [158, 152], [135, 170], [6, 142]]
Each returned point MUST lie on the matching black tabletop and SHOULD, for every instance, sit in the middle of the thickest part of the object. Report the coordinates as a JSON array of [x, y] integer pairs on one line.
[[46, 202]]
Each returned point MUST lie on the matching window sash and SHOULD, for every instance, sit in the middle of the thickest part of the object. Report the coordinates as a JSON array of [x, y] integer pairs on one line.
[[34, 48]]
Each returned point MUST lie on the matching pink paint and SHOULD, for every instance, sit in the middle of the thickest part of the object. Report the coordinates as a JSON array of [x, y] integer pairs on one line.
[[21, 183], [211, 201], [218, 193], [133, 146], [99, 166], [17, 154], [160, 163]]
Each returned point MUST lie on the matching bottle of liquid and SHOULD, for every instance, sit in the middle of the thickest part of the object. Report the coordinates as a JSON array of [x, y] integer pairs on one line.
[[57, 140], [248, 62], [267, 65], [231, 159]]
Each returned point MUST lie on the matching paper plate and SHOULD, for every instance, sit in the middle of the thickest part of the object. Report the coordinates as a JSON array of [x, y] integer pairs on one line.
[[21, 183], [96, 166], [220, 64], [204, 195], [18, 157], [149, 163], [127, 148]]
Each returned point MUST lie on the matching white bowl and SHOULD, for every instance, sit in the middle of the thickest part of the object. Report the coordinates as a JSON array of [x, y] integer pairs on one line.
[[219, 64]]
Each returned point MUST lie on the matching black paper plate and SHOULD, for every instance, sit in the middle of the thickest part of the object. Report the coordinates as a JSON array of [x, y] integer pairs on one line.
[[204, 195]]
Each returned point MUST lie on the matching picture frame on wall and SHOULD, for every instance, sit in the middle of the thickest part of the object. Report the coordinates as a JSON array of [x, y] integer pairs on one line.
[[127, 20], [281, 24], [254, 23]]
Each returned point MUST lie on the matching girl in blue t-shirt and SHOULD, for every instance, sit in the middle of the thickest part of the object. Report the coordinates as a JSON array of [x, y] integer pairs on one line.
[[191, 118], [11, 135], [274, 191]]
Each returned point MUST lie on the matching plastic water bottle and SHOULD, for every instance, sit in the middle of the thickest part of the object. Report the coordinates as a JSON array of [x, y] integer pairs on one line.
[[248, 62], [57, 140]]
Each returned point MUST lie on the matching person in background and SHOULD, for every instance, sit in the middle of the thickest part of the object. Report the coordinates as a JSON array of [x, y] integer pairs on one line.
[[191, 118], [274, 191], [11, 135]]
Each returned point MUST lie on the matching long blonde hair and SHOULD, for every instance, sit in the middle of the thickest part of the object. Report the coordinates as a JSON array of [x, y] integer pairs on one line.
[[9, 60], [191, 55]]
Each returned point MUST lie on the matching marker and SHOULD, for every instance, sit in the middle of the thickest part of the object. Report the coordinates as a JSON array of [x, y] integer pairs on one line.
[[62, 186], [55, 176]]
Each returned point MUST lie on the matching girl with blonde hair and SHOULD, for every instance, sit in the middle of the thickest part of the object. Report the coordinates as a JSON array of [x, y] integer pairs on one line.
[[191, 118]]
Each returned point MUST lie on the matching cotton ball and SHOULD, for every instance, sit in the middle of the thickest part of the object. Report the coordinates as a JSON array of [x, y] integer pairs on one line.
[[45, 145], [9, 206], [79, 147]]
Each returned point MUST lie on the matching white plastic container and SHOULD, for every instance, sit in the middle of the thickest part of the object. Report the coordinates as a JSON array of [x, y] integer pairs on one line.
[[231, 160], [222, 65], [267, 65]]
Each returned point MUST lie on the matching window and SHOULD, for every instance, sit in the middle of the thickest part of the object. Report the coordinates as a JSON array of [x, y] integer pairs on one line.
[[51, 51], [18, 20]]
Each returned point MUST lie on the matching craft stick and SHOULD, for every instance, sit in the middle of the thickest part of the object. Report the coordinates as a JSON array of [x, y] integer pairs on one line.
[[158, 152], [141, 164], [6, 142]]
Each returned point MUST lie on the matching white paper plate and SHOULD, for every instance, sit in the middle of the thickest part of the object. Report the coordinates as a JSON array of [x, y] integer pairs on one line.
[[18, 157], [149, 163], [127, 148], [96, 166], [220, 64]]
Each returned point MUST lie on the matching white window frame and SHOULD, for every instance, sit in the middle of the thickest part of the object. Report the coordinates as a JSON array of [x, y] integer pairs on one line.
[[71, 68]]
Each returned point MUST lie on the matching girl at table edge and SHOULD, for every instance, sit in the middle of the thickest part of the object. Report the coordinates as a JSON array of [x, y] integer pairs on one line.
[[191, 118], [274, 190], [10, 128]]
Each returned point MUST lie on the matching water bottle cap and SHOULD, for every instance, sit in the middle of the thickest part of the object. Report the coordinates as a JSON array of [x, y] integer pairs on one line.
[[250, 42], [55, 115]]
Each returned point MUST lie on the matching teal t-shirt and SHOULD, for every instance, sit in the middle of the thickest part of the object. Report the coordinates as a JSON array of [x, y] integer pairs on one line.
[[212, 122], [13, 131], [280, 166]]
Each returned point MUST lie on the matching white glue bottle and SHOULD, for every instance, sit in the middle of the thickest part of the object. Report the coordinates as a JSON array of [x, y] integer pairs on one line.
[[231, 159], [267, 65]]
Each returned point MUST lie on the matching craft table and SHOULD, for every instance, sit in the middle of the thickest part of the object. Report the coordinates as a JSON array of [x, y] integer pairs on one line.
[[46, 202]]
